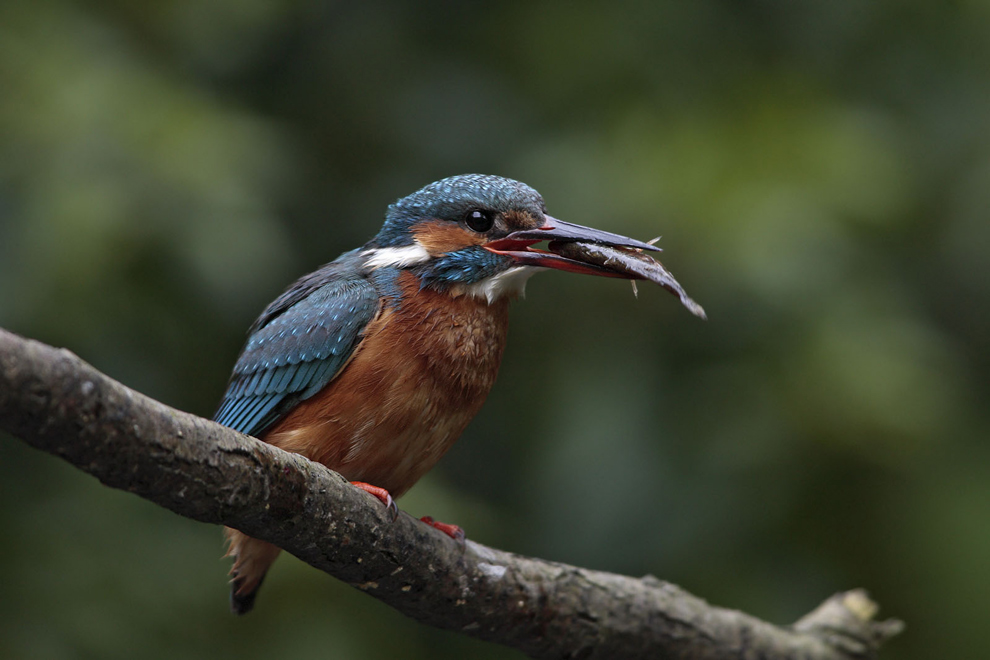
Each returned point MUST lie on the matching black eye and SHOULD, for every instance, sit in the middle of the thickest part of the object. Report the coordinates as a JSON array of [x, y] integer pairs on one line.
[[479, 220]]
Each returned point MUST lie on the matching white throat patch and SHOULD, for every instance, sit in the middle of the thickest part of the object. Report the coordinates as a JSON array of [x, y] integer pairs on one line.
[[509, 282]]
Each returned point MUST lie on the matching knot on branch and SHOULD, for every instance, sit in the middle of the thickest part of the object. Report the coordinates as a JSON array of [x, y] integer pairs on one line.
[[846, 622]]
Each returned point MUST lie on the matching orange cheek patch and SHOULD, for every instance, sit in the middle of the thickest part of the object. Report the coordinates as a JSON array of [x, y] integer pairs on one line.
[[443, 237]]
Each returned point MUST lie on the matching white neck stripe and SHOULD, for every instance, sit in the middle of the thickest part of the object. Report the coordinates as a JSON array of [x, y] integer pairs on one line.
[[397, 257]]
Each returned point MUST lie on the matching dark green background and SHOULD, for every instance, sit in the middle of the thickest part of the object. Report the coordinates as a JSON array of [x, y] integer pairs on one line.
[[819, 171]]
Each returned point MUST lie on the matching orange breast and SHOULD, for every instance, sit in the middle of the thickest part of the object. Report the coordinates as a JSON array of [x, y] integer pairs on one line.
[[420, 374]]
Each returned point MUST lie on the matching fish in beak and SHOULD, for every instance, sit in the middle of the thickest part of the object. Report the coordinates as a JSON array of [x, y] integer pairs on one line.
[[579, 249]]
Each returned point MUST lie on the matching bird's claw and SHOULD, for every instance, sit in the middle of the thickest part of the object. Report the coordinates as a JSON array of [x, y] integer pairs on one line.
[[453, 531], [382, 495]]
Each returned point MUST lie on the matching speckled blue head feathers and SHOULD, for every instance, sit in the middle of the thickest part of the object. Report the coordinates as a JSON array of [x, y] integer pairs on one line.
[[451, 198]]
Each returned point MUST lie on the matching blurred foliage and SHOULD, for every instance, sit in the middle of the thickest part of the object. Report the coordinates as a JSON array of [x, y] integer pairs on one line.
[[820, 173]]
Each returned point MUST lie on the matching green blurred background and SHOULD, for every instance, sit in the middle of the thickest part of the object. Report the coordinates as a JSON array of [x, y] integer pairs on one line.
[[819, 171]]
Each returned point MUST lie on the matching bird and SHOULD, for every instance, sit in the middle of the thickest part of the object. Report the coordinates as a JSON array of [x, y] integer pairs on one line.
[[375, 363]]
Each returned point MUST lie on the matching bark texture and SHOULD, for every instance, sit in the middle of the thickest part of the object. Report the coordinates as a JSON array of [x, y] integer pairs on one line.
[[56, 402]]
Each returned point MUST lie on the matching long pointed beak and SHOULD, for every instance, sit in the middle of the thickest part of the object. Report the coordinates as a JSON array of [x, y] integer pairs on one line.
[[558, 230], [516, 245]]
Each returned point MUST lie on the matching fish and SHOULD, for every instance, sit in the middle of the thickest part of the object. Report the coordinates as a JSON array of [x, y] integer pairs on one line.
[[628, 263]]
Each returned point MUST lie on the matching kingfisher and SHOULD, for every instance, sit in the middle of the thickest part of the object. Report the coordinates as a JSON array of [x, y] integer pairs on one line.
[[375, 363]]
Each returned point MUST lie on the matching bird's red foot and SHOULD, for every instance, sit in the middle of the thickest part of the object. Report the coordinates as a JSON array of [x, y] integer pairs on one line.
[[453, 531], [381, 494]]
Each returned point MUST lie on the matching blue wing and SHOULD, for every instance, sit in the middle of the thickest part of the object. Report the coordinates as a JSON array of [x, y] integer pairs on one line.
[[297, 346]]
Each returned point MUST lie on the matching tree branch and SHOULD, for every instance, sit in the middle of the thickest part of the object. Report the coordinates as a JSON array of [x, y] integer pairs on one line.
[[56, 402]]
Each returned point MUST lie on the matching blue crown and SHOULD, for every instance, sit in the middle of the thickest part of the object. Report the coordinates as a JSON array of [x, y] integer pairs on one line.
[[451, 198]]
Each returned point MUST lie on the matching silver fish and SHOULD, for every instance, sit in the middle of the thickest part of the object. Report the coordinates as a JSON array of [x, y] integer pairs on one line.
[[628, 263]]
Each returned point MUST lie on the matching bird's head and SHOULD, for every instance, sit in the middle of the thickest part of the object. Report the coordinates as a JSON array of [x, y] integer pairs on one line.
[[472, 234]]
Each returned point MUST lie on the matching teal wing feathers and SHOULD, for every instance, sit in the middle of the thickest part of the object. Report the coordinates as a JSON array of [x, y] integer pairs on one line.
[[297, 346]]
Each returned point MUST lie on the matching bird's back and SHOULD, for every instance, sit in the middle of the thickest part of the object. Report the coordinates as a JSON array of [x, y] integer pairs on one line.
[[298, 345]]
